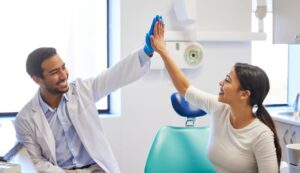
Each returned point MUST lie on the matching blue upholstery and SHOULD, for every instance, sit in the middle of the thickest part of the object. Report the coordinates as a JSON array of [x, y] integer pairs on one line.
[[183, 108], [180, 149]]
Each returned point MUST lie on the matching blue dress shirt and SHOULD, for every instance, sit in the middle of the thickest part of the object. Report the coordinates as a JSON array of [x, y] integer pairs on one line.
[[70, 152]]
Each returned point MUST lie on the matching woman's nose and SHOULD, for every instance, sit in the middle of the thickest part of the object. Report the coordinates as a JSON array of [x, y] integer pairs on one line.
[[221, 82]]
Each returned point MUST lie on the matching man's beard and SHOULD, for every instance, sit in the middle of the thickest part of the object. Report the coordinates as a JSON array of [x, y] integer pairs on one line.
[[56, 91]]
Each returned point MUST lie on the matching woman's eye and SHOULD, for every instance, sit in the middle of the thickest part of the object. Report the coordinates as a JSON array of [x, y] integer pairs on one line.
[[227, 79]]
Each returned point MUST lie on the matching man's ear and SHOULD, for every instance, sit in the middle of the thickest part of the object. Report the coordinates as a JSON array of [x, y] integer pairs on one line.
[[36, 79]]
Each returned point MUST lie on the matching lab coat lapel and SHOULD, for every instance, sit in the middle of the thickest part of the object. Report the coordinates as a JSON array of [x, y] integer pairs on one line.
[[47, 142], [93, 140]]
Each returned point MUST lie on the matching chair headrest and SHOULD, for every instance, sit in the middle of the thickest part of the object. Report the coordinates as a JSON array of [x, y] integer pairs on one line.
[[183, 108]]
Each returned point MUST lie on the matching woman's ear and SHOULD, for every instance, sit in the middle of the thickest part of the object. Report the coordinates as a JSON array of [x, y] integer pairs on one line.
[[245, 94]]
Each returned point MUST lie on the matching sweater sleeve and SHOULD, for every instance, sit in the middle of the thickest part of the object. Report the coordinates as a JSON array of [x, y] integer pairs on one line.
[[265, 152], [203, 100]]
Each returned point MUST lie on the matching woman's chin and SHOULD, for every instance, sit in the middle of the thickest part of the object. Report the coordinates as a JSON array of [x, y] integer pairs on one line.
[[220, 98]]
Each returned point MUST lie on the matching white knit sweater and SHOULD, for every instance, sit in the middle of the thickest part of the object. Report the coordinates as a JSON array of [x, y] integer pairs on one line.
[[247, 150]]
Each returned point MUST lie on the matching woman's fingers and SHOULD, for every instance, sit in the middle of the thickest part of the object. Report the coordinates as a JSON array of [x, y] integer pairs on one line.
[[158, 28]]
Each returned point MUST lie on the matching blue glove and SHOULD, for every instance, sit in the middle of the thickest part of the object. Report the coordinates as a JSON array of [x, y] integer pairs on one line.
[[148, 48]]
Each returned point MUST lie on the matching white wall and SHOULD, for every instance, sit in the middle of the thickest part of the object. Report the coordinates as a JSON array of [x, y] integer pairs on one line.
[[146, 104]]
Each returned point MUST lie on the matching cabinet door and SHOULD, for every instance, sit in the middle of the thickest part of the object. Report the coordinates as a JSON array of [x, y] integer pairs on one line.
[[286, 23], [295, 134], [284, 134]]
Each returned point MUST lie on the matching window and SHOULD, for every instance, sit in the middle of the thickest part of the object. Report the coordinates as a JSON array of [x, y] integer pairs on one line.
[[273, 58], [294, 80], [77, 29]]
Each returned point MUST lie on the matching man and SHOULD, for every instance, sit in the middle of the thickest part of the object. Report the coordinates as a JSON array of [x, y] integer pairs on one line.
[[60, 126]]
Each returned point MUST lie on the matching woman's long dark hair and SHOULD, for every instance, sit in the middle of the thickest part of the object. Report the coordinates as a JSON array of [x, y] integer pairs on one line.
[[255, 80]]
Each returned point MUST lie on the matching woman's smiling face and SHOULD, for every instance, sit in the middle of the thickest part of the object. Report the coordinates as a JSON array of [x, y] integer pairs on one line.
[[229, 88]]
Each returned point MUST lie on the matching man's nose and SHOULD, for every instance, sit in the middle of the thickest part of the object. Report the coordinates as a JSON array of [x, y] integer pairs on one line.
[[63, 75]]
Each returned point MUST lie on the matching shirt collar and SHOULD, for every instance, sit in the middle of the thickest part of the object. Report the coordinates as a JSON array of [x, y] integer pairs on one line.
[[45, 107]]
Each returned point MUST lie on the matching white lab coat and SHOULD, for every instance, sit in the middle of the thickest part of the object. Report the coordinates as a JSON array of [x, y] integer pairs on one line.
[[33, 130]]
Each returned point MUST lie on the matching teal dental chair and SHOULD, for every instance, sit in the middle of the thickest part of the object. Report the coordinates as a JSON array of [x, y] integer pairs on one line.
[[180, 149]]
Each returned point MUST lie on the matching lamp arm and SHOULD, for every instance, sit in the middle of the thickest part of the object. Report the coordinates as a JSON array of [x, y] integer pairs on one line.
[[260, 13]]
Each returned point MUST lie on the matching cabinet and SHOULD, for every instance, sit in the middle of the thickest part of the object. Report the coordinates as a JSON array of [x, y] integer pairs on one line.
[[287, 134], [286, 22]]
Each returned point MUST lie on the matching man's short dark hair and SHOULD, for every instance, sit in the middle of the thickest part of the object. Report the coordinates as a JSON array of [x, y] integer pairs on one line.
[[36, 58]]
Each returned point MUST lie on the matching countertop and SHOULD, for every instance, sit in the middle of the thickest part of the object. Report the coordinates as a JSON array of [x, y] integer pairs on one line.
[[288, 119]]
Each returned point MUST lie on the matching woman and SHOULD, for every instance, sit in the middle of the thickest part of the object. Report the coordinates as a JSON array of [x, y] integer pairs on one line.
[[241, 140]]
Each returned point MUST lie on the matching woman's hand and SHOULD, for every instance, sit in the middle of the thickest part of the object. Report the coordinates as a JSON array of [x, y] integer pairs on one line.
[[157, 39], [158, 44]]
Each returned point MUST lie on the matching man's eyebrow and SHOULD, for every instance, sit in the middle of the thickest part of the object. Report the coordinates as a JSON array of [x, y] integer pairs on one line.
[[55, 69]]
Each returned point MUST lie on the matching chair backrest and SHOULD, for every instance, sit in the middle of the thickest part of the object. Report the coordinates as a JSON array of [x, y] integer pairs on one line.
[[183, 108], [179, 150]]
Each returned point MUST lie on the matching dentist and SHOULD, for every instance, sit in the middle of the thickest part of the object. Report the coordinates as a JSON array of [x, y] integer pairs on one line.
[[60, 126]]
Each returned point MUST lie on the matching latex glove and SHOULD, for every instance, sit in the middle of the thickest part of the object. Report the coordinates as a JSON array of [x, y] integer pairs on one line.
[[148, 48]]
